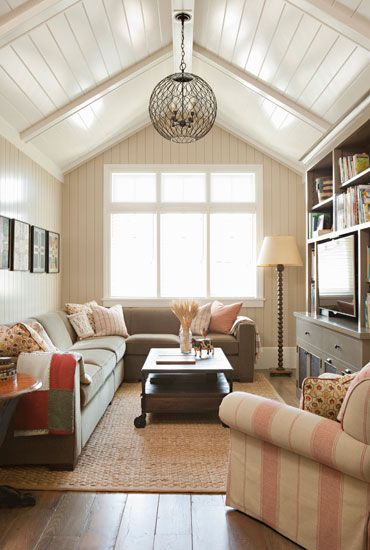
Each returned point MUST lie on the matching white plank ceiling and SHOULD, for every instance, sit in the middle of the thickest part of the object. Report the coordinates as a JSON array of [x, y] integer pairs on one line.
[[54, 52]]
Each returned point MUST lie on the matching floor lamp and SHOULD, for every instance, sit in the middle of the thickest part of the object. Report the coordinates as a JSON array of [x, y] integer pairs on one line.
[[280, 251]]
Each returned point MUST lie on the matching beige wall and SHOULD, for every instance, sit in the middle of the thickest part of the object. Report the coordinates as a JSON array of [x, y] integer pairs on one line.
[[83, 215], [28, 193]]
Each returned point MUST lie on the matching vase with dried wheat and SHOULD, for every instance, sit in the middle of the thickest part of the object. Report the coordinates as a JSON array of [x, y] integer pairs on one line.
[[185, 311]]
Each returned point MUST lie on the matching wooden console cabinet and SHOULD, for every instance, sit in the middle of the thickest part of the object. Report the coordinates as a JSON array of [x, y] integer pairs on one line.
[[327, 345]]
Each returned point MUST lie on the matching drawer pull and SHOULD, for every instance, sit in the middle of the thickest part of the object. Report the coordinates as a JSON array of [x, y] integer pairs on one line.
[[337, 346], [329, 360], [307, 333]]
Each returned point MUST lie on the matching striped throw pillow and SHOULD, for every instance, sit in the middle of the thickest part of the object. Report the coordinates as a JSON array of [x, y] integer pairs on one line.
[[200, 323], [109, 321]]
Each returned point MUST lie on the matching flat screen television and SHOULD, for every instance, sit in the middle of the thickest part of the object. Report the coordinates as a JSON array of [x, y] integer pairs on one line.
[[336, 276]]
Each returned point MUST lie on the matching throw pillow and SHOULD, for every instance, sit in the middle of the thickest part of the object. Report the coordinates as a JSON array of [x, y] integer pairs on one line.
[[18, 338], [324, 396], [356, 379], [82, 308], [109, 321], [223, 317], [36, 326], [200, 323], [81, 324]]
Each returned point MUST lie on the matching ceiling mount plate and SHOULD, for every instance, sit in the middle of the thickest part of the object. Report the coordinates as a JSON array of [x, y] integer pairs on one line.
[[183, 17]]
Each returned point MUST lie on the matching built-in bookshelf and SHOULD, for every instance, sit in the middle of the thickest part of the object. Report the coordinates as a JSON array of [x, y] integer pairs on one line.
[[344, 175]]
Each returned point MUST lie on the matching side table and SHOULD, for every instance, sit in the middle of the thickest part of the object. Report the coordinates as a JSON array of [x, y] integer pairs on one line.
[[10, 392]]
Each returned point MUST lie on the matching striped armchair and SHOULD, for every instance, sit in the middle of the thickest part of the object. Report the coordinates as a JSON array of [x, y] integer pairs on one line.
[[304, 475]]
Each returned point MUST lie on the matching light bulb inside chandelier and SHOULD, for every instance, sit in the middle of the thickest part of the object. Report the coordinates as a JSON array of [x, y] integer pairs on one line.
[[182, 106]]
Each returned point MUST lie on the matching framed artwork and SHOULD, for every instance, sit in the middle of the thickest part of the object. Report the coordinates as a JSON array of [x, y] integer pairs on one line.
[[53, 252], [38, 249], [4, 242], [20, 247]]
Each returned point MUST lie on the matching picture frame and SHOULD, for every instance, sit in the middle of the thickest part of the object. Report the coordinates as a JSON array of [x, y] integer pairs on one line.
[[53, 252], [5, 231], [38, 249], [20, 246]]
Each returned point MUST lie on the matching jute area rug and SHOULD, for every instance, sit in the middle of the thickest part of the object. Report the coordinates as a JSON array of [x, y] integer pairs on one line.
[[174, 453]]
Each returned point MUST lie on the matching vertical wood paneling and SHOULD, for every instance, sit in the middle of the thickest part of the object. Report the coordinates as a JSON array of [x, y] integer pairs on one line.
[[83, 200], [28, 193]]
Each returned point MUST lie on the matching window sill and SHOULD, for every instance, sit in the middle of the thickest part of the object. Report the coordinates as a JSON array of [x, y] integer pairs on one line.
[[165, 302]]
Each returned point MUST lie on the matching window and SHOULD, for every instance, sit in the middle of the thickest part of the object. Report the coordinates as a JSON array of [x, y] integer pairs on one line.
[[183, 233]]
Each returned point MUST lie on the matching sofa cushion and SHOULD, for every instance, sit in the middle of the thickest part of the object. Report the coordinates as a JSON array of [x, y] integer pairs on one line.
[[228, 343], [116, 344], [140, 344], [100, 357], [150, 320], [102, 365], [58, 328]]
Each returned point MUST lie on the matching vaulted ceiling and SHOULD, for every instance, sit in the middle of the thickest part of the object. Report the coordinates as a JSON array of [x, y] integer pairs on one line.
[[76, 75]]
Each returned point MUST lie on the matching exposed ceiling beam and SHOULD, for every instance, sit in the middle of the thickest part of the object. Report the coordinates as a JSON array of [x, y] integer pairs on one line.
[[260, 87], [28, 16], [96, 93], [357, 116], [134, 128], [186, 6], [339, 18]]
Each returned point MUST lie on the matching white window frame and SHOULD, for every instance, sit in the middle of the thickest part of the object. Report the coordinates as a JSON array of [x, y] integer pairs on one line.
[[206, 207]]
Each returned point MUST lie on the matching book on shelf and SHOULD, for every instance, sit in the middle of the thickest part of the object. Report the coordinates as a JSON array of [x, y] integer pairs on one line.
[[353, 206], [352, 165], [368, 264], [319, 224], [367, 310]]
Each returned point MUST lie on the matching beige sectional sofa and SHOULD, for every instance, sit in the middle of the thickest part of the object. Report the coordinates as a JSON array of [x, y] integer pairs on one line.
[[110, 360]]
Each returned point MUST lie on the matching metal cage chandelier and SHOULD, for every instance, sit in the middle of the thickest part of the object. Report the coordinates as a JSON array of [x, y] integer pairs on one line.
[[182, 106]]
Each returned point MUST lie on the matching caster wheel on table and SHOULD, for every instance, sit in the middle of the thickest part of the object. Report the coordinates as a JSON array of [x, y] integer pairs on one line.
[[140, 421]]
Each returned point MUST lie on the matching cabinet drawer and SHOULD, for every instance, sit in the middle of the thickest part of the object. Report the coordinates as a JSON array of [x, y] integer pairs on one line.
[[342, 347], [310, 333]]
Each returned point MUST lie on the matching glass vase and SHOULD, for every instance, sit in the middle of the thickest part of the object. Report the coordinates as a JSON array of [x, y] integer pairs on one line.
[[185, 340]]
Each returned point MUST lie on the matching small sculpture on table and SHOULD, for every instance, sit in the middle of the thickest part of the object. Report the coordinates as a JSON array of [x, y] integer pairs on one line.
[[201, 345]]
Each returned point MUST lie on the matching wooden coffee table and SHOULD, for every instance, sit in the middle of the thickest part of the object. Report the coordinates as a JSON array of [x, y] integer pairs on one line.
[[175, 388]]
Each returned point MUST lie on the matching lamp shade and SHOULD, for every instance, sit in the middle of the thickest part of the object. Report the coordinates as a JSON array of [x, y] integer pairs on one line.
[[279, 249]]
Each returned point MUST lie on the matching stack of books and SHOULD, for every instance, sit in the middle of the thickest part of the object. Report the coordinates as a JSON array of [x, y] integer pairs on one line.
[[352, 165], [353, 207]]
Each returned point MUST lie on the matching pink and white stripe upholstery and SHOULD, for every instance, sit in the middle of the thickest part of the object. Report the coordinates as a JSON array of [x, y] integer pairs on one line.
[[299, 473]]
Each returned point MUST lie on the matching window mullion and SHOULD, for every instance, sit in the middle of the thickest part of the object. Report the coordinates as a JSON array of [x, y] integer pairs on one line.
[[159, 198], [208, 235]]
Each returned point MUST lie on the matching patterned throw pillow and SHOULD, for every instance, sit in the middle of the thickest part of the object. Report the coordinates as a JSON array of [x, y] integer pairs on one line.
[[37, 327], [109, 321], [357, 377], [200, 323], [18, 338], [324, 396], [81, 324], [223, 317], [82, 308]]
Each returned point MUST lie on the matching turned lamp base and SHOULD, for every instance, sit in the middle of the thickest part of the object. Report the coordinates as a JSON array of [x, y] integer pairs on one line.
[[281, 372]]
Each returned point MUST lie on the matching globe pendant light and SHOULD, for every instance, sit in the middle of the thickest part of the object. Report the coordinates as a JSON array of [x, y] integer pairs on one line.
[[182, 106]]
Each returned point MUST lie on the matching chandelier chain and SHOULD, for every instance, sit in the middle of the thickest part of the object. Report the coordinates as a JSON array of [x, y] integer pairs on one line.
[[182, 64]]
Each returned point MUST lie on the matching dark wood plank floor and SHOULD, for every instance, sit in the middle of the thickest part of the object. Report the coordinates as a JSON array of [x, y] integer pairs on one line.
[[66, 521]]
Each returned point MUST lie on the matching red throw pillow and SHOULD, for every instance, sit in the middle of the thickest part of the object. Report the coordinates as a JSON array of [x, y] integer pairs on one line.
[[223, 317]]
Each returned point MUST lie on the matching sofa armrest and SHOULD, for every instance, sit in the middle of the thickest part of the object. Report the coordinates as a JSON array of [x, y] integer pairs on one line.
[[246, 336], [303, 433]]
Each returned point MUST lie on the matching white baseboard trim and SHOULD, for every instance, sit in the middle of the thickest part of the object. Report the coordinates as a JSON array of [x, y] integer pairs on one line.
[[268, 358]]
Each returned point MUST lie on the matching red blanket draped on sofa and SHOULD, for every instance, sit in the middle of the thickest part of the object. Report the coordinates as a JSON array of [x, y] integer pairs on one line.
[[49, 410]]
